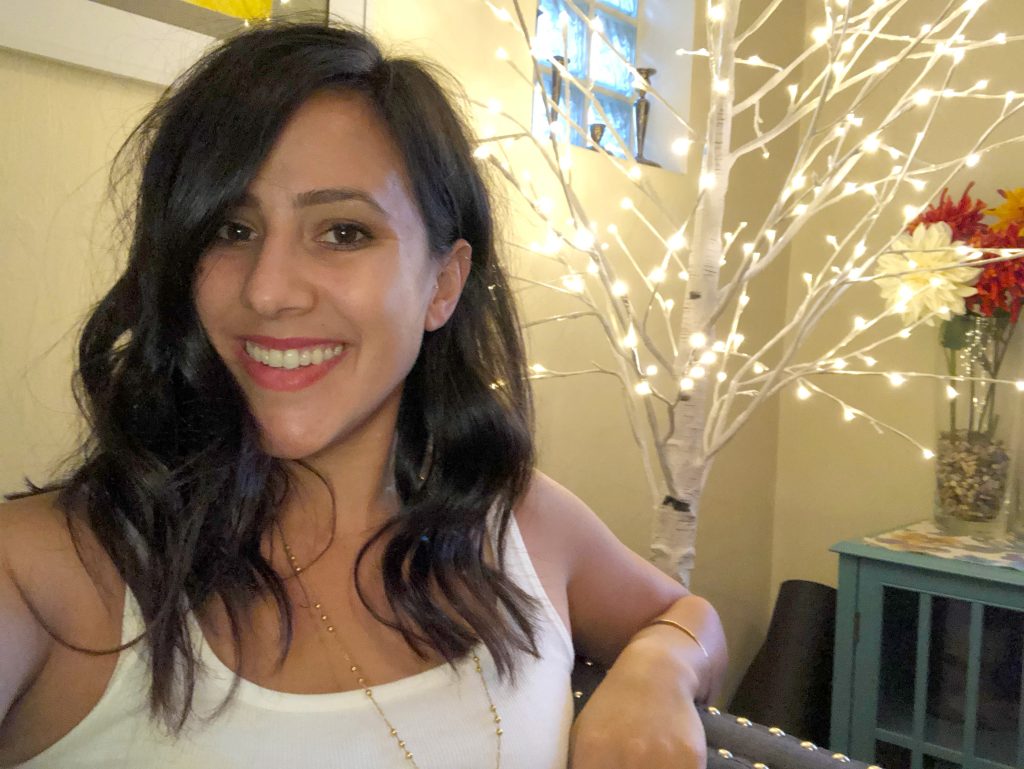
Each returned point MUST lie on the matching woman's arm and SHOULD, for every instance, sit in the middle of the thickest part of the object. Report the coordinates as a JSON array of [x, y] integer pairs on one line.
[[24, 643], [643, 714]]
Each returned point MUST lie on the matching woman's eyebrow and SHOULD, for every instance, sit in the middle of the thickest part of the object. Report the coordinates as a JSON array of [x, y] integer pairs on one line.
[[319, 197], [334, 194]]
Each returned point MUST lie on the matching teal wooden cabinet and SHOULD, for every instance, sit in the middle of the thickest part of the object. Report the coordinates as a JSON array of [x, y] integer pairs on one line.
[[928, 671]]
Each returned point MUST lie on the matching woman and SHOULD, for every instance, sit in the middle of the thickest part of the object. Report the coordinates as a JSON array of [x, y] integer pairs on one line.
[[306, 526]]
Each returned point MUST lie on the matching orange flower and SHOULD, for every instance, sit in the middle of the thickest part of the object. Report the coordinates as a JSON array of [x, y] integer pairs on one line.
[[1010, 212]]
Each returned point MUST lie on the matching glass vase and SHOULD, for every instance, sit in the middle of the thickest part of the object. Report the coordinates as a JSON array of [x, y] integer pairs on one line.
[[977, 457]]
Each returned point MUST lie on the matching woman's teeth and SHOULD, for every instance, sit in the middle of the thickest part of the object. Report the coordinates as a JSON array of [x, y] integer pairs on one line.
[[306, 356]]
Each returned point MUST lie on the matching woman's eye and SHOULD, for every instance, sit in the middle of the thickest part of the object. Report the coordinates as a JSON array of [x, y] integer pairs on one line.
[[346, 235], [234, 232]]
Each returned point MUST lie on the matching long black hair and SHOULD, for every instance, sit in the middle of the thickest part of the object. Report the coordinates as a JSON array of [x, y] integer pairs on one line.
[[172, 479]]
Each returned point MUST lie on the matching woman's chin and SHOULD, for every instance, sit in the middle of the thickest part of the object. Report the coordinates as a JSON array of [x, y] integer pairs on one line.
[[289, 446]]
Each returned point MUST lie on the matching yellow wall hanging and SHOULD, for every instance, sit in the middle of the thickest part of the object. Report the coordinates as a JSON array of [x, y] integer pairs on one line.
[[240, 9]]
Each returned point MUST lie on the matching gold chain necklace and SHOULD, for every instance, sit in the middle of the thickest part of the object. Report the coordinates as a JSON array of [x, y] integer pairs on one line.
[[357, 673]]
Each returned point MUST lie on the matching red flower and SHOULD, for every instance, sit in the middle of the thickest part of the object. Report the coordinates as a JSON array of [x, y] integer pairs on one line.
[[964, 218], [1001, 284]]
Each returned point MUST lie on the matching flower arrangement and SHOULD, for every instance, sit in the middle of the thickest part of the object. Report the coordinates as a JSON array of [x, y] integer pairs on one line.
[[933, 275]]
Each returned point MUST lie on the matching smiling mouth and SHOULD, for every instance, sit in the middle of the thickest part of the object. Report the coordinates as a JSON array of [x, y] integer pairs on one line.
[[295, 357]]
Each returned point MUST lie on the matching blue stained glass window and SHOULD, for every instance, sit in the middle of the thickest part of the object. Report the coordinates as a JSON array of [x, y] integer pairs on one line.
[[606, 67], [592, 61], [618, 114], [627, 7], [549, 34], [576, 104]]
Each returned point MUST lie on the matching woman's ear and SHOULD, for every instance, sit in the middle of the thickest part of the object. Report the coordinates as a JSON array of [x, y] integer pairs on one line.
[[451, 277]]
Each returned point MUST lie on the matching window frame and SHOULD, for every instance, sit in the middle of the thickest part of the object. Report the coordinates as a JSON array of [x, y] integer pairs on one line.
[[545, 70]]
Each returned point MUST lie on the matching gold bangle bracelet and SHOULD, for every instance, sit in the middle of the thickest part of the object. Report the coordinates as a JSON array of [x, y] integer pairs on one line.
[[685, 629]]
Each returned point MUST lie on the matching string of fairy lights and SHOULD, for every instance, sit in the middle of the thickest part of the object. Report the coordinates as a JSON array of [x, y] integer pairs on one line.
[[829, 92]]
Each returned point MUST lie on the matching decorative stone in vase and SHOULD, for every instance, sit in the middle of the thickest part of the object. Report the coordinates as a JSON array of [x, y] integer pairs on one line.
[[978, 454]]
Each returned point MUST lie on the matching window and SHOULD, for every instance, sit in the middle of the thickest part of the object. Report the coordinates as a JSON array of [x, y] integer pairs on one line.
[[562, 31]]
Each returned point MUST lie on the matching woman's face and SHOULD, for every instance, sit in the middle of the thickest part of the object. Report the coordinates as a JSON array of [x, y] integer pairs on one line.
[[319, 285]]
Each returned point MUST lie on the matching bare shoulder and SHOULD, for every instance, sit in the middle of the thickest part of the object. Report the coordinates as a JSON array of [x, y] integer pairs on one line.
[[548, 509], [610, 590], [559, 524], [556, 524], [51, 589], [39, 555], [24, 640]]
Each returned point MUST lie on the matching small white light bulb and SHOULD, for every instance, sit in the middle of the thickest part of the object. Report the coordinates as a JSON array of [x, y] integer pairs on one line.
[[677, 241], [681, 146]]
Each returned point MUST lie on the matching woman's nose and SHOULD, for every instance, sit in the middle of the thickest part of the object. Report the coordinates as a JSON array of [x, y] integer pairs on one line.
[[276, 283]]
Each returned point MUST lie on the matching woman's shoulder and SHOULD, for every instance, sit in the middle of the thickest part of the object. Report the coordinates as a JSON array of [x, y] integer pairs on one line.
[[554, 521], [611, 591], [555, 525], [59, 567], [52, 585]]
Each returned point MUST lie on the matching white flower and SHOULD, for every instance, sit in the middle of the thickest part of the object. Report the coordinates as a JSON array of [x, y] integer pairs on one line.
[[930, 289]]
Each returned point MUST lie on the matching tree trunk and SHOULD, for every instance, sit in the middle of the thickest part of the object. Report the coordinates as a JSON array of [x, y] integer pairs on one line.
[[675, 524]]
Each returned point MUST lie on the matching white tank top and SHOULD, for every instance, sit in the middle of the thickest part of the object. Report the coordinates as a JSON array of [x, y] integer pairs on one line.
[[443, 716]]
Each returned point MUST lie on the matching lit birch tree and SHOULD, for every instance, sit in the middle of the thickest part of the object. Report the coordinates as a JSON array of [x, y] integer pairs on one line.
[[703, 389]]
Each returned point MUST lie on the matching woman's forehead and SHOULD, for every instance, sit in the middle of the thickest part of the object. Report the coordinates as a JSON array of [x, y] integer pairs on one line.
[[336, 141]]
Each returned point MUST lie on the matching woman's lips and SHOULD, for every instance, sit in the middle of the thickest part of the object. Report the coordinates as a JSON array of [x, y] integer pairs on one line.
[[297, 376]]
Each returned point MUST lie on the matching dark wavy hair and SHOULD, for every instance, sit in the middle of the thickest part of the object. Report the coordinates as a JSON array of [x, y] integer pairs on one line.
[[172, 479]]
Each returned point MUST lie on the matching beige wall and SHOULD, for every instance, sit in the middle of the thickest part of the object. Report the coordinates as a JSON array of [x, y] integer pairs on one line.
[[60, 129]]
